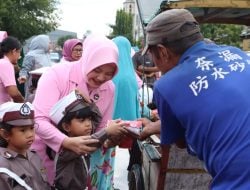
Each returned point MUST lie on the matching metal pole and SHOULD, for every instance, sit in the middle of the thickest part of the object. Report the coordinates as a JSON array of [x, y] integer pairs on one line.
[[141, 19]]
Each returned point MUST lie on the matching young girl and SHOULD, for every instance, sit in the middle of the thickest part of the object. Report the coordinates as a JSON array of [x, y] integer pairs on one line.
[[75, 116], [10, 49], [19, 167]]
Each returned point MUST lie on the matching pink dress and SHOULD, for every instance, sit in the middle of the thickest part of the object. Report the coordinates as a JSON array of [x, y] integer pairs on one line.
[[7, 78], [58, 82]]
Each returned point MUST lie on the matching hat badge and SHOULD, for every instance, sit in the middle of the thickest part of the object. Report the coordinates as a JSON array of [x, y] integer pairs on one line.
[[25, 110], [78, 96]]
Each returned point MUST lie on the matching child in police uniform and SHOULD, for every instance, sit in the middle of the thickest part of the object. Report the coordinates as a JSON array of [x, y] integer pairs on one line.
[[75, 115], [20, 168]]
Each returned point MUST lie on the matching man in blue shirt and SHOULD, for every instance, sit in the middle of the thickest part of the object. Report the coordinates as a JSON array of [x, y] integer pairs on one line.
[[202, 97]]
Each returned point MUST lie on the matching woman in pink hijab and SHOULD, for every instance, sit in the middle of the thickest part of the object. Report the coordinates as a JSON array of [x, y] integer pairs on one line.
[[92, 76], [72, 50]]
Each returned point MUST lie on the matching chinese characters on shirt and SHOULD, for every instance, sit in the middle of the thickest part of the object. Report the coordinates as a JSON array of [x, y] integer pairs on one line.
[[202, 82]]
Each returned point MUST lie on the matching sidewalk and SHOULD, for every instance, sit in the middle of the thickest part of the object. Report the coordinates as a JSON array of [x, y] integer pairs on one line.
[[120, 171]]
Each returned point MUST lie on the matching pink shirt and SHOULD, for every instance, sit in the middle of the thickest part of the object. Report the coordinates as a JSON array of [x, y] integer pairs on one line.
[[64, 78], [3, 35], [58, 82], [7, 78]]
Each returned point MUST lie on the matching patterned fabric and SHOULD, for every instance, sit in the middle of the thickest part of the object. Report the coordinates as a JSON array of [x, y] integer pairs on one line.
[[102, 169]]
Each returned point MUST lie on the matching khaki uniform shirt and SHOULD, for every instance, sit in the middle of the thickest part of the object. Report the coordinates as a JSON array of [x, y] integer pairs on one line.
[[29, 169], [71, 171]]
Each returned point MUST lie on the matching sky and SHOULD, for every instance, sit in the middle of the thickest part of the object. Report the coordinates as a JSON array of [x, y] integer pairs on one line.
[[94, 15]]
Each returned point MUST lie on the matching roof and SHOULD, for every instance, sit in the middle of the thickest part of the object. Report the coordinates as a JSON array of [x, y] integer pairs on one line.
[[207, 11]]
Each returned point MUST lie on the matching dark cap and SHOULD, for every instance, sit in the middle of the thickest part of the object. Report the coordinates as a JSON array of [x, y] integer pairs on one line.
[[167, 27], [17, 114]]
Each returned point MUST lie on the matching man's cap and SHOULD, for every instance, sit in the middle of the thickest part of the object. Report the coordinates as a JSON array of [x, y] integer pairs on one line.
[[17, 114], [74, 101], [168, 27]]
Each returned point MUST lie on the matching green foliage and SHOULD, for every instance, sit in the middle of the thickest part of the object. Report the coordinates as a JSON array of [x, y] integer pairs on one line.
[[25, 18], [123, 25], [227, 34], [61, 40]]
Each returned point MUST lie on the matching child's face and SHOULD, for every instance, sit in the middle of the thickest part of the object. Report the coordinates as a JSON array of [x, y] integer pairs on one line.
[[20, 138], [80, 127]]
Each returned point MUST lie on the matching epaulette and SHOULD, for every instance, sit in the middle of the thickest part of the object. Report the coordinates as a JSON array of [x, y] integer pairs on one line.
[[7, 155]]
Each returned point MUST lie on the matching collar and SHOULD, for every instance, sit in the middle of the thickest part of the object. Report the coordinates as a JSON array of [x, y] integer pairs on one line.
[[190, 51], [10, 154]]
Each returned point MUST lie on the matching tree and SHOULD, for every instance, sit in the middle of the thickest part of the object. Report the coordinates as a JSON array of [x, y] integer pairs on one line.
[[228, 34], [25, 18], [123, 25]]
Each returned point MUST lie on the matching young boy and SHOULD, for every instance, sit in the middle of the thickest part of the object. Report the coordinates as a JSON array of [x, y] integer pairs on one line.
[[20, 168], [75, 116]]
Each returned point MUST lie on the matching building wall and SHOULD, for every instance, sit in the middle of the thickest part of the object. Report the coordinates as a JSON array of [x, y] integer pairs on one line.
[[130, 6]]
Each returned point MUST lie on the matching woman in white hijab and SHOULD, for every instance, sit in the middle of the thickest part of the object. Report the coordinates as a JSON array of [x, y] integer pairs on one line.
[[37, 57]]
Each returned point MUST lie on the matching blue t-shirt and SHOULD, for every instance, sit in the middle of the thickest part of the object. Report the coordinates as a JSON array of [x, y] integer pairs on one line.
[[206, 100]]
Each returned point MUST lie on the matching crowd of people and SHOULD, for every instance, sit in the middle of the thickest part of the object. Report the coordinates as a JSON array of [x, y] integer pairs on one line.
[[64, 137]]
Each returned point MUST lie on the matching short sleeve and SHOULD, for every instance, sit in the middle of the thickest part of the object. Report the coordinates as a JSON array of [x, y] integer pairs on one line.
[[7, 74], [135, 60], [171, 129]]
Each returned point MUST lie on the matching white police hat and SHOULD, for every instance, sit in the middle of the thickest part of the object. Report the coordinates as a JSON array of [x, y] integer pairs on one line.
[[17, 114], [70, 103]]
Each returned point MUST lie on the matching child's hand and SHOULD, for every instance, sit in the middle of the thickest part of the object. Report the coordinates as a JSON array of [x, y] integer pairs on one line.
[[80, 145], [22, 79]]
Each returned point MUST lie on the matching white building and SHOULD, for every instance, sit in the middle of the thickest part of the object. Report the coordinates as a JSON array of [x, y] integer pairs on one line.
[[146, 8], [130, 6]]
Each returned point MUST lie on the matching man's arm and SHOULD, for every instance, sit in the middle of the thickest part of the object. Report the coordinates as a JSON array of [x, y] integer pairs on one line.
[[148, 69], [149, 128]]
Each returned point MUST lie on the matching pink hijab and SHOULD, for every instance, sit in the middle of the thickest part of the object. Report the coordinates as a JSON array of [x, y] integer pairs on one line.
[[3, 35], [68, 47], [98, 51]]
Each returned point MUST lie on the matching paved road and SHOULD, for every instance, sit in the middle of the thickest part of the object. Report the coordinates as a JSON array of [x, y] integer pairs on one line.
[[121, 173]]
